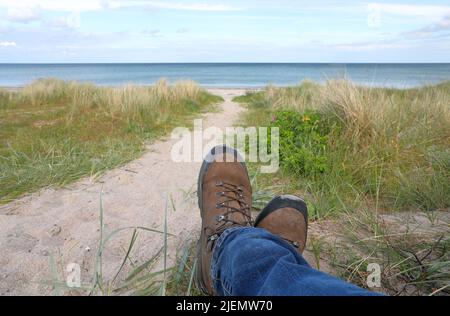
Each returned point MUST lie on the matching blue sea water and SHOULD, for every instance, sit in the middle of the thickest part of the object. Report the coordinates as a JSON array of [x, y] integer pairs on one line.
[[229, 75]]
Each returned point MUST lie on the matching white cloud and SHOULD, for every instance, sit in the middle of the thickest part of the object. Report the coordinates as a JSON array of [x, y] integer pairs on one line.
[[54, 5], [71, 21], [152, 33], [437, 29], [96, 5], [189, 6], [369, 46], [442, 25], [8, 44], [23, 15], [412, 9]]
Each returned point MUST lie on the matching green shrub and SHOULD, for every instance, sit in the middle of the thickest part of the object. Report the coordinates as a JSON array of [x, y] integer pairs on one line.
[[303, 141]]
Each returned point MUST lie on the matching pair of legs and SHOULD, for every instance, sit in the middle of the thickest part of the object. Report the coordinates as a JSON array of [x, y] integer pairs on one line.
[[237, 256]]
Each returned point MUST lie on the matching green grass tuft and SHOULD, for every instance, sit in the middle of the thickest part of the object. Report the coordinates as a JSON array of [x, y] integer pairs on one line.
[[54, 132]]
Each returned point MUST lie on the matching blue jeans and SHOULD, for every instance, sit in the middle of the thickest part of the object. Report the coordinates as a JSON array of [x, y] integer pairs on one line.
[[249, 261]]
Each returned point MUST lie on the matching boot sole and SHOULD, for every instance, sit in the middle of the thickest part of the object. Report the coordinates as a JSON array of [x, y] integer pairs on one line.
[[209, 159]]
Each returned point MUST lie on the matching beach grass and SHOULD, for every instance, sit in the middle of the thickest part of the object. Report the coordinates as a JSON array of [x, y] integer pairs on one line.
[[363, 158], [390, 146], [133, 277], [54, 132]]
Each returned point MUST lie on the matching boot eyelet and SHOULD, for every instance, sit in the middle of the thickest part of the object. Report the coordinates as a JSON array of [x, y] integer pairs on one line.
[[220, 218]]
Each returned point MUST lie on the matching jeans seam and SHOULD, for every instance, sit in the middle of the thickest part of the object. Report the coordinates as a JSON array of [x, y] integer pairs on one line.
[[226, 287], [216, 250]]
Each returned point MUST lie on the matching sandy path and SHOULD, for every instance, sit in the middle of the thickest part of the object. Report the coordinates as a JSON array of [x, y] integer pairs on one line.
[[65, 222]]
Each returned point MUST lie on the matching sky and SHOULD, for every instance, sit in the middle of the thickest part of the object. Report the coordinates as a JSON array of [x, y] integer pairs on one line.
[[79, 31]]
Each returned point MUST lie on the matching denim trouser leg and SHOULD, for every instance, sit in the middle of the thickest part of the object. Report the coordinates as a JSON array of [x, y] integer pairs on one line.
[[252, 261]]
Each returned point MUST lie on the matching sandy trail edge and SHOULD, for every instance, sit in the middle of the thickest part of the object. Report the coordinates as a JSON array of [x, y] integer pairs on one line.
[[64, 223]]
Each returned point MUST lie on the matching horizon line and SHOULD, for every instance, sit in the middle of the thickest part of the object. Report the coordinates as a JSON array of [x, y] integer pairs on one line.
[[194, 63]]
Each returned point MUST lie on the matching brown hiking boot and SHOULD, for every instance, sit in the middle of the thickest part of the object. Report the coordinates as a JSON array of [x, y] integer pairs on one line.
[[225, 200], [287, 217]]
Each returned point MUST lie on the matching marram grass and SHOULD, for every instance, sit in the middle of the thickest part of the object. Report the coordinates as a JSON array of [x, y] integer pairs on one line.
[[54, 132]]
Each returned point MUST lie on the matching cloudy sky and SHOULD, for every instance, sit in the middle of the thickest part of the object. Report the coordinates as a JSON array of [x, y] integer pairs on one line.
[[224, 31]]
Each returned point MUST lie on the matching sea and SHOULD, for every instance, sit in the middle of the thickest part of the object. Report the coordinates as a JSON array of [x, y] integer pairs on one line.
[[230, 75]]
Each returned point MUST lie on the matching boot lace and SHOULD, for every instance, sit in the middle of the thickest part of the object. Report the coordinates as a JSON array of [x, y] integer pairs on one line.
[[230, 193]]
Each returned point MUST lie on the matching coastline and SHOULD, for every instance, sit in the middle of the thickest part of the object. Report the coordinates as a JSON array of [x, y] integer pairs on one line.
[[10, 88], [229, 75], [13, 88]]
